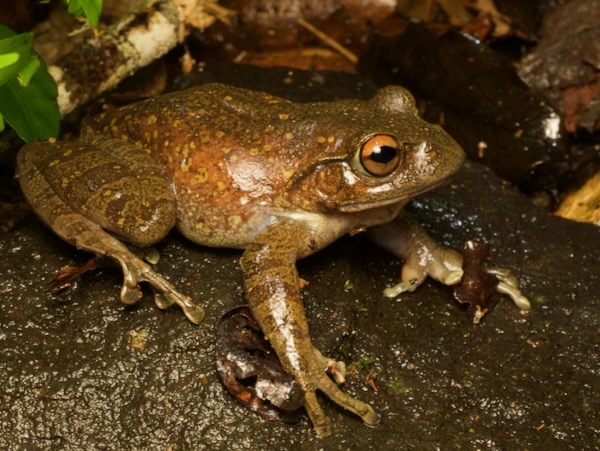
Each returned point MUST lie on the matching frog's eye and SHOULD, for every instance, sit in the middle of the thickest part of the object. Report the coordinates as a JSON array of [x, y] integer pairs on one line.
[[380, 155]]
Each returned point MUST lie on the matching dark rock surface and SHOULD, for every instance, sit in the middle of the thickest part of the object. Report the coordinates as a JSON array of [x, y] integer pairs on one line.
[[82, 371]]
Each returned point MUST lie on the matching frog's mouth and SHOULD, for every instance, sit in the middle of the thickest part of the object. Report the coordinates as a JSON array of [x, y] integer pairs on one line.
[[397, 201]]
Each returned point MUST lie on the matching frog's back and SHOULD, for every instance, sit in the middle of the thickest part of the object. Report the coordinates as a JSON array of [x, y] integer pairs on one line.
[[214, 141], [197, 114]]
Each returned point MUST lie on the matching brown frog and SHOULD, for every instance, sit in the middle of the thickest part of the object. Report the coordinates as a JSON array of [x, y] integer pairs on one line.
[[236, 168]]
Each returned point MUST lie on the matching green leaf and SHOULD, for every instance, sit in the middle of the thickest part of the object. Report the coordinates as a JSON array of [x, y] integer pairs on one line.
[[74, 7], [28, 71], [90, 8], [7, 59], [31, 110], [11, 42], [15, 48], [28, 96]]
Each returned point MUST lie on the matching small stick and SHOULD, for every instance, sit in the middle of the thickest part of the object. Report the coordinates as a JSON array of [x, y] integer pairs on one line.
[[330, 42]]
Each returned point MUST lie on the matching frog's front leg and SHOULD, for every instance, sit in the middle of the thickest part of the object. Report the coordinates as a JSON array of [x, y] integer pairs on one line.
[[273, 292], [423, 257], [83, 190]]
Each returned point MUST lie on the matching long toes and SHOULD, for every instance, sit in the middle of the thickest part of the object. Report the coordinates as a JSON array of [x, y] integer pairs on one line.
[[162, 302], [194, 313], [165, 294], [515, 294], [318, 418], [509, 285], [370, 417], [402, 287]]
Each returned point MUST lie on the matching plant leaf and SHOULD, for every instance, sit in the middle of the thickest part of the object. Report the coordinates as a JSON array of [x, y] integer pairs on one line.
[[7, 59], [28, 96], [90, 8], [16, 53], [28, 71]]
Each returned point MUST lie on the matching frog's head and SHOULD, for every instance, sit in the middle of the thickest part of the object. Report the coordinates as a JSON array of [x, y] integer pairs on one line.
[[380, 153]]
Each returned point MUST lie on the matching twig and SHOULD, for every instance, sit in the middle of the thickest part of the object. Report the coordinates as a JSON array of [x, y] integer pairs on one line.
[[329, 41]]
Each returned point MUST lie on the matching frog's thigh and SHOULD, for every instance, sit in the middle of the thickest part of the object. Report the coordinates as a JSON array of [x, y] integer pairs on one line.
[[113, 183], [56, 193]]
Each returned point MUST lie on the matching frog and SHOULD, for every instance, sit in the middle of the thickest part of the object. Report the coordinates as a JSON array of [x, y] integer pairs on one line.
[[280, 180]]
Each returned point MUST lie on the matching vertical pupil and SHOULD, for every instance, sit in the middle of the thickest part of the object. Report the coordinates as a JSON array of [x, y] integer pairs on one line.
[[383, 154]]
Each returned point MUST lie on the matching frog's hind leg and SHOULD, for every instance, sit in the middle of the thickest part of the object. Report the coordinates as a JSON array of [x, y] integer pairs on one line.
[[273, 292], [83, 191]]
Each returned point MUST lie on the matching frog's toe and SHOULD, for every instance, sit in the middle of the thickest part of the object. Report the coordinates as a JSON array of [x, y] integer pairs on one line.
[[130, 293], [413, 275], [319, 380], [437, 262], [370, 417], [336, 368], [444, 265], [321, 422], [318, 418], [508, 284], [451, 277], [331, 390], [162, 302], [192, 311], [136, 270], [398, 289]]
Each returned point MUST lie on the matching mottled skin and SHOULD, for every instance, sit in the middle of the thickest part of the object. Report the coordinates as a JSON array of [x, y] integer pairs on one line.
[[237, 168]]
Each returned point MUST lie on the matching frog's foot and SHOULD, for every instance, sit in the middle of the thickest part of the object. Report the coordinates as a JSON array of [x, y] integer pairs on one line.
[[508, 284], [438, 262], [165, 295], [445, 265], [89, 236], [322, 382]]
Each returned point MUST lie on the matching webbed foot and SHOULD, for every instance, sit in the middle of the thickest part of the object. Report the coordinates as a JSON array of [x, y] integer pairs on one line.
[[445, 265], [423, 258], [435, 261], [322, 382], [89, 236], [165, 295]]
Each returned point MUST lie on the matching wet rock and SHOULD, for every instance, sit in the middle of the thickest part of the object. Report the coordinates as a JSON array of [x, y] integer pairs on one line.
[[82, 371], [73, 377]]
